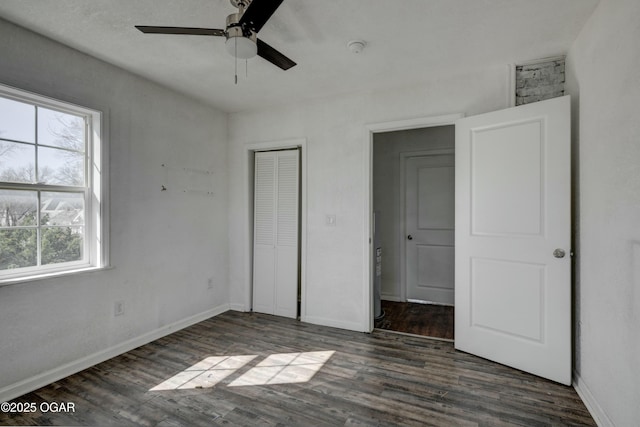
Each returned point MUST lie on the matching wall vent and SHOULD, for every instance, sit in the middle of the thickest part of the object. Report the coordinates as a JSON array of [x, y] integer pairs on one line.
[[539, 80]]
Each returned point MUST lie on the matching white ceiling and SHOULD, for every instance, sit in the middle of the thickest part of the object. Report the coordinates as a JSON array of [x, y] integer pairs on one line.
[[408, 42]]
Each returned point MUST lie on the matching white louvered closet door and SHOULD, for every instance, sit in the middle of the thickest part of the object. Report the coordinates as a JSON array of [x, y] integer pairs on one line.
[[275, 249]]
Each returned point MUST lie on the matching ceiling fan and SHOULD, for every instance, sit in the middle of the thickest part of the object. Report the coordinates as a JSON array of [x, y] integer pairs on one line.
[[241, 31]]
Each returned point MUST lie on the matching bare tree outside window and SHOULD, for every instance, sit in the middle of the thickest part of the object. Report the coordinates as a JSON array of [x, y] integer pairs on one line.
[[66, 132]]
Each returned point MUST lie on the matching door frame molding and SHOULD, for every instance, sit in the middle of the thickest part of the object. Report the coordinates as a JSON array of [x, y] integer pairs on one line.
[[403, 223], [249, 151], [367, 243]]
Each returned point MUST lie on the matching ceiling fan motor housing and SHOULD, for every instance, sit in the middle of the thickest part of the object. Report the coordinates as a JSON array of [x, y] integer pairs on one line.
[[241, 41]]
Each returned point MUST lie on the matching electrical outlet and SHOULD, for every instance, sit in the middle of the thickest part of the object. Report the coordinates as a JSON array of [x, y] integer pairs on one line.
[[118, 308]]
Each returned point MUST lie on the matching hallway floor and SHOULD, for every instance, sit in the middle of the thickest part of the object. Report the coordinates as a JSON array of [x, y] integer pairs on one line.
[[435, 321]]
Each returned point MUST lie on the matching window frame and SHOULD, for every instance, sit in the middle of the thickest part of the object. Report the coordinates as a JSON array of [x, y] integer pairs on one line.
[[94, 190]]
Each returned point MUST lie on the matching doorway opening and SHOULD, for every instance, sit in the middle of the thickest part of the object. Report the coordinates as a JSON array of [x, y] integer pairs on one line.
[[412, 203]]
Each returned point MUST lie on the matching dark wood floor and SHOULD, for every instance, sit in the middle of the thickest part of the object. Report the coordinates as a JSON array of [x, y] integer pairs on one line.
[[430, 320], [273, 371]]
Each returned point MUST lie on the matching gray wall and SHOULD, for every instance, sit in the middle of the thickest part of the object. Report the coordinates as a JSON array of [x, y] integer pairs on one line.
[[603, 76], [165, 246], [336, 288], [163, 253], [387, 147]]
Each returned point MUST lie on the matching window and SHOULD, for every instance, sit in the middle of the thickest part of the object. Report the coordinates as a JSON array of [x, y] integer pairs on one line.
[[51, 204]]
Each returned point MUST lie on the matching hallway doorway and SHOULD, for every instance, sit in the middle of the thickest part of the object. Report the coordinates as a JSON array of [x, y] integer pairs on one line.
[[413, 197]]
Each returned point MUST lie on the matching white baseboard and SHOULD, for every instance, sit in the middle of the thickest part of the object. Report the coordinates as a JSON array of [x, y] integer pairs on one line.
[[596, 411], [351, 326], [30, 384], [238, 307], [389, 297]]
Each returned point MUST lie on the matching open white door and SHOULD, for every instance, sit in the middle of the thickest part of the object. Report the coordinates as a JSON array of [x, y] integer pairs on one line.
[[513, 219]]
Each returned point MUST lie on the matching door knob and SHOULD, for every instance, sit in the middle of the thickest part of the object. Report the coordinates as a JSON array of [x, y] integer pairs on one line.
[[559, 253], [409, 237]]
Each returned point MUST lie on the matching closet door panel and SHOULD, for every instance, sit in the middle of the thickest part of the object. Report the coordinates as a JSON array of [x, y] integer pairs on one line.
[[264, 251], [287, 234], [276, 233]]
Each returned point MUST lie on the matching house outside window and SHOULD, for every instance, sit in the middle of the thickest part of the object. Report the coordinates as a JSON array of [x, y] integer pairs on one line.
[[51, 197]]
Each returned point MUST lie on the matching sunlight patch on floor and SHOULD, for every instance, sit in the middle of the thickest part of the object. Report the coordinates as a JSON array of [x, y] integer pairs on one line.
[[206, 373], [284, 368]]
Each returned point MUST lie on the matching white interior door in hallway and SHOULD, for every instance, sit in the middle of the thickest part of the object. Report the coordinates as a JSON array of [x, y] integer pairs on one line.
[[276, 233], [429, 228], [513, 236]]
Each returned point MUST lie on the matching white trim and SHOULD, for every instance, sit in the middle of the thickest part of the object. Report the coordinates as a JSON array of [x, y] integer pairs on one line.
[[35, 277], [541, 60], [389, 297], [425, 302], [414, 123], [25, 386], [403, 225], [596, 411], [332, 323], [407, 334], [248, 151], [103, 161], [23, 95], [238, 307], [511, 85], [96, 240], [367, 247], [275, 145]]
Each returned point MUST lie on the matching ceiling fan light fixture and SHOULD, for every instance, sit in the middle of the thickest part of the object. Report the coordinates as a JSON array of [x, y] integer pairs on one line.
[[241, 47]]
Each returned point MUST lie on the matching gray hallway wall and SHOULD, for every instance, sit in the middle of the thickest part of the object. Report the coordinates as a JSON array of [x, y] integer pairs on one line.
[[387, 148]]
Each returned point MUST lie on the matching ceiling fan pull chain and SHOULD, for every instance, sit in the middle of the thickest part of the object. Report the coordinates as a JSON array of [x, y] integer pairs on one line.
[[235, 42]]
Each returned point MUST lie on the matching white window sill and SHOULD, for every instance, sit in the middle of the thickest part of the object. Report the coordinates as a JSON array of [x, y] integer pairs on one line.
[[43, 276]]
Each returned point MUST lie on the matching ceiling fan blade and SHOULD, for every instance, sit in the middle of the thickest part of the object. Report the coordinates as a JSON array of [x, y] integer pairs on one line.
[[181, 30], [273, 56], [258, 13]]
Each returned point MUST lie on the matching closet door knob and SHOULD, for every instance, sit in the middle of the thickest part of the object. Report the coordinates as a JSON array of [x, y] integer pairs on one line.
[[409, 237]]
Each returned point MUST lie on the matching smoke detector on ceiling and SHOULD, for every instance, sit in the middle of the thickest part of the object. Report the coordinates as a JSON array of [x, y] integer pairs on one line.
[[356, 46]]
